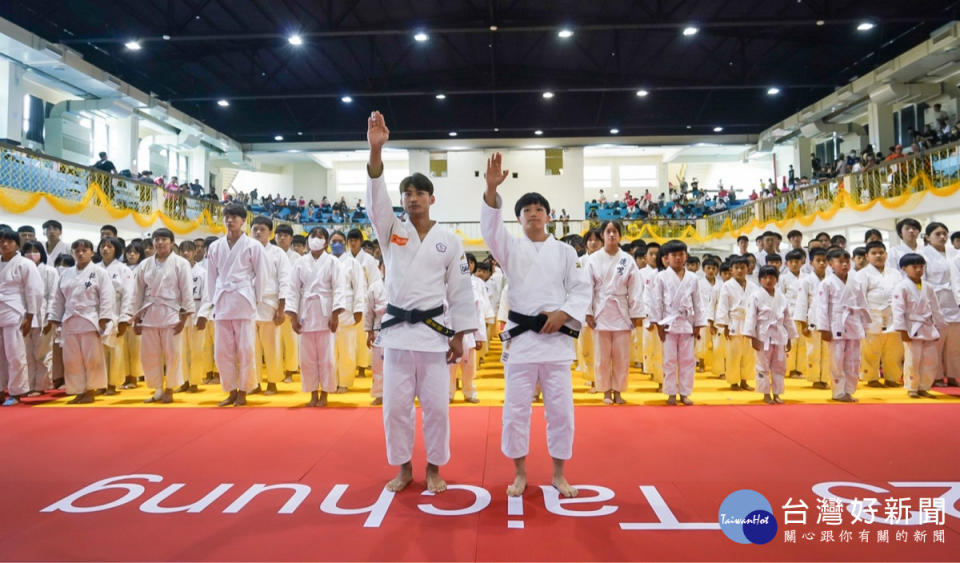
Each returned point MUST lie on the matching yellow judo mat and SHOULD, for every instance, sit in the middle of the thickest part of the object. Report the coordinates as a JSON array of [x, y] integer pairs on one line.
[[707, 390]]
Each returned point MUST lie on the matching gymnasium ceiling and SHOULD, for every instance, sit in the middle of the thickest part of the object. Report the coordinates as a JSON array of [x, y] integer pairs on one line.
[[492, 59]]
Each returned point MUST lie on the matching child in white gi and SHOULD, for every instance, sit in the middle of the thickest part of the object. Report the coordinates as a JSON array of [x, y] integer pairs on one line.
[[709, 285], [652, 345], [163, 301], [939, 273], [717, 332], [21, 292], [731, 312], [83, 308], [917, 317], [614, 311], [466, 365], [770, 328], [111, 249], [789, 284], [882, 349], [841, 316], [424, 263], [276, 286], [376, 307], [317, 297], [39, 345], [675, 310], [818, 351], [195, 349], [549, 295]]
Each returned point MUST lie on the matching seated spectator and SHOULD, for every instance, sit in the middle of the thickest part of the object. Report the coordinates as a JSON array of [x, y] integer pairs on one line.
[[754, 196], [602, 198]]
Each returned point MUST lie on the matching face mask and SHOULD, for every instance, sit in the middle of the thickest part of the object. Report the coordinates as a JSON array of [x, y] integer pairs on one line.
[[337, 248], [317, 244], [35, 256]]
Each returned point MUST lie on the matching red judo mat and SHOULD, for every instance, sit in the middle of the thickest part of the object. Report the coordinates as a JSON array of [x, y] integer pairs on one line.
[[185, 485]]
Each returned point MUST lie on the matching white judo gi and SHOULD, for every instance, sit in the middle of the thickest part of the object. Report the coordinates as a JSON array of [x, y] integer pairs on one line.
[[674, 303], [114, 349], [419, 274], [818, 352], [318, 287], [768, 320], [841, 309], [84, 297], [276, 286], [371, 273], [720, 346], [916, 312], [376, 306], [466, 364], [62, 247], [346, 337], [289, 340], [731, 312], [941, 274], [21, 292], [163, 291], [39, 345], [652, 347], [543, 277], [897, 252], [789, 285], [882, 348], [197, 355], [615, 301], [234, 287], [704, 344]]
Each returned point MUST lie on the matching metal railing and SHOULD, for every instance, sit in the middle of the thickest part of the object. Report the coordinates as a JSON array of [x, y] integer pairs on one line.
[[894, 178]]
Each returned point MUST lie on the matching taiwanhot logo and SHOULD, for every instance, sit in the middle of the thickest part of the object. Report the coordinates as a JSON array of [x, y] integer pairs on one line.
[[746, 517]]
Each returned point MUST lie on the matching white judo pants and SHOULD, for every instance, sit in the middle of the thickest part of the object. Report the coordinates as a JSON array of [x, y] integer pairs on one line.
[[466, 365], [740, 362], [408, 374], [290, 347], [771, 369], [948, 348], [521, 383], [613, 359], [161, 353], [316, 362], [363, 353], [882, 351], [921, 364], [38, 346], [233, 348], [267, 355], [14, 377], [346, 354], [84, 367], [195, 354], [844, 366], [376, 372], [679, 364], [653, 354]]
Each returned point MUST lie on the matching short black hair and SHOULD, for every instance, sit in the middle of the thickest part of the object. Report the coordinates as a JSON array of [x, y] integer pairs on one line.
[[911, 259], [592, 233], [616, 225], [773, 258], [748, 255], [908, 222], [471, 258], [64, 260], [135, 246], [532, 198], [10, 234], [164, 233], [283, 229], [711, 261], [652, 244], [235, 210], [768, 271], [774, 234], [26, 229], [110, 228], [485, 266], [859, 251], [836, 238], [821, 235], [52, 223], [262, 220], [794, 233], [934, 226], [743, 237], [299, 239], [819, 251], [875, 244], [207, 242], [739, 261], [725, 267], [872, 233], [954, 236], [338, 233], [693, 259], [837, 253], [188, 245], [354, 234], [317, 231], [419, 182], [81, 243], [35, 245], [115, 243], [796, 254]]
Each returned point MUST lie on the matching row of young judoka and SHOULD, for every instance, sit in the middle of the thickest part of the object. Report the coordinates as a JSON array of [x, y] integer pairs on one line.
[[814, 315]]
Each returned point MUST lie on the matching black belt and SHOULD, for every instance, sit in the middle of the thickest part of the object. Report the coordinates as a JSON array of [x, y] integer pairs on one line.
[[534, 323], [414, 316]]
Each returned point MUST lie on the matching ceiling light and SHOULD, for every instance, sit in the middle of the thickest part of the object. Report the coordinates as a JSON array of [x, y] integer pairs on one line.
[[717, 129], [494, 28], [346, 99], [773, 91], [820, 23], [614, 131], [278, 138], [441, 96], [547, 95], [496, 129], [421, 36], [452, 133], [295, 40], [565, 33], [690, 30], [223, 103], [642, 93], [865, 26], [300, 133], [133, 45], [166, 37], [538, 132]]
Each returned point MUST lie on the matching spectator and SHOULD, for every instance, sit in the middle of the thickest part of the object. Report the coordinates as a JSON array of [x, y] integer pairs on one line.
[[105, 165]]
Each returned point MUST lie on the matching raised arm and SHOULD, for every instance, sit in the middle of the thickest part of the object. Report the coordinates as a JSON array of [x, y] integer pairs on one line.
[[491, 218], [379, 206]]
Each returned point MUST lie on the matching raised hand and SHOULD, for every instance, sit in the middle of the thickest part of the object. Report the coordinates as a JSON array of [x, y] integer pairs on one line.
[[377, 132], [495, 174]]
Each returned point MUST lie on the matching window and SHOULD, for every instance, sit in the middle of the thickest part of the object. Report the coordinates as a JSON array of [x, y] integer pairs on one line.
[[553, 159], [598, 177], [438, 164], [635, 176]]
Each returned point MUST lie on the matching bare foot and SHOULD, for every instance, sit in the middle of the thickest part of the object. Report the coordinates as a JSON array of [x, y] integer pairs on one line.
[[323, 399], [560, 484], [402, 479], [518, 486], [434, 483]]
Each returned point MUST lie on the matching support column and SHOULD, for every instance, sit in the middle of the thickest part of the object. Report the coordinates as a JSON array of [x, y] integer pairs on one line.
[[801, 155], [124, 143], [880, 122], [11, 101]]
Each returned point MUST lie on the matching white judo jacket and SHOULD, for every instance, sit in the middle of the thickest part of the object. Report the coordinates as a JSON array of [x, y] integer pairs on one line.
[[87, 294], [276, 284], [878, 288], [318, 287], [916, 311], [542, 277], [161, 290], [21, 290], [235, 278], [356, 288], [768, 318], [617, 289], [122, 279], [841, 308], [732, 305], [940, 275], [49, 278], [420, 274], [806, 298], [675, 303]]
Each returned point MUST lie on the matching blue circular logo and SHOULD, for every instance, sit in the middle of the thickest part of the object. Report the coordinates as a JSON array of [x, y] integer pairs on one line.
[[746, 517]]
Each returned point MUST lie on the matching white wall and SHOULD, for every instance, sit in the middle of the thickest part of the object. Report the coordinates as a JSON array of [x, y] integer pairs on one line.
[[743, 176], [266, 183]]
